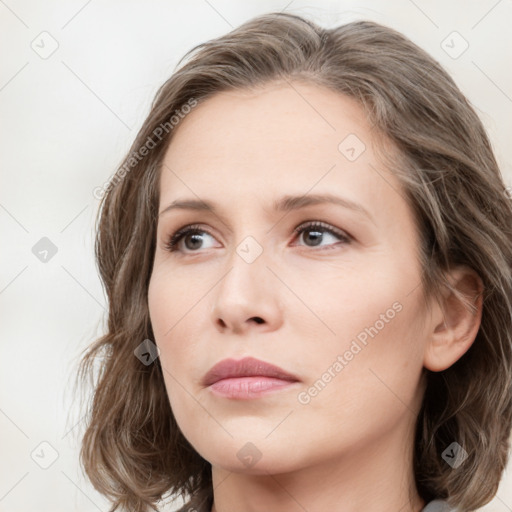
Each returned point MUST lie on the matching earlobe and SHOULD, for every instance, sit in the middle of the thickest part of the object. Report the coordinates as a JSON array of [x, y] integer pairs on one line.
[[454, 322]]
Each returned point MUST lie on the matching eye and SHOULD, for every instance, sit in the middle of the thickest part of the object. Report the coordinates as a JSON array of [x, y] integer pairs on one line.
[[192, 234], [192, 237], [316, 232]]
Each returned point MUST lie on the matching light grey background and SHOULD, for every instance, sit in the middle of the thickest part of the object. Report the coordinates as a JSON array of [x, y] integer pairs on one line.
[[68, 118]]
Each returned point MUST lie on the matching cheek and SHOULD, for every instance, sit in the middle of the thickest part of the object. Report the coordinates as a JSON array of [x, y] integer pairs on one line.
[[366, 300], [377, 338], [368, 380], [175, 309], [165, 310], [171, 299], [158, 304]]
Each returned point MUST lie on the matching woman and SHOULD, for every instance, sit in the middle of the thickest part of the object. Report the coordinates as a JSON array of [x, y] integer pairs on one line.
[[307, 254]]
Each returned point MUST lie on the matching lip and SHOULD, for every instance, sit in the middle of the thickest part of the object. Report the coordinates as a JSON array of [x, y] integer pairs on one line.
[[248, 388], [246, 367]]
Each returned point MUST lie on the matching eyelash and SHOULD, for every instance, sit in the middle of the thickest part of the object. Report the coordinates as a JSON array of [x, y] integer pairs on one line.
[[173, 240]]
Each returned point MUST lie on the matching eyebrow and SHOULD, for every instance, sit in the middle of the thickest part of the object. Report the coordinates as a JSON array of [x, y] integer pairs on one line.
[[284, 204]]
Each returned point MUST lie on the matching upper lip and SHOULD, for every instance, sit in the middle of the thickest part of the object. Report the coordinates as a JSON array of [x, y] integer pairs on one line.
[[246, 367]]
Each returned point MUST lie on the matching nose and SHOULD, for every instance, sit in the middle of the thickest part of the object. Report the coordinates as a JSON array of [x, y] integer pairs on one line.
[[247, 297]]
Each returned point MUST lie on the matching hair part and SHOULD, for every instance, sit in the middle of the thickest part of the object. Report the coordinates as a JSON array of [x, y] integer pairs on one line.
[[430, 137]]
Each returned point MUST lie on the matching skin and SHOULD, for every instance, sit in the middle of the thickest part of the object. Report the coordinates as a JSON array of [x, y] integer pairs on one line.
[[350, 447]]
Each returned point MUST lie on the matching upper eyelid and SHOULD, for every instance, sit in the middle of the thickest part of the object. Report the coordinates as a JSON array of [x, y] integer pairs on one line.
[[196, 226]]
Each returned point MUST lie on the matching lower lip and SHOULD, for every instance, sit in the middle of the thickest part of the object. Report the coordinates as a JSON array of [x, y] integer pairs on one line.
[[246, 388]]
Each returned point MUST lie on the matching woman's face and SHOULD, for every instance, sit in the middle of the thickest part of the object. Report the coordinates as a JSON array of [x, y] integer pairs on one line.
[[337, 305]]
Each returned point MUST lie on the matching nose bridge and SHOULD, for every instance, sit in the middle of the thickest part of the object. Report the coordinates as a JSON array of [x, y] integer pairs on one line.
[[246, 272], [251, 253], [246, 291]]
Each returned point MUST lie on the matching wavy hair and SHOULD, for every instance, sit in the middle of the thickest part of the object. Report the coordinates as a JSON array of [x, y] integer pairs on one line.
[[132, 450]]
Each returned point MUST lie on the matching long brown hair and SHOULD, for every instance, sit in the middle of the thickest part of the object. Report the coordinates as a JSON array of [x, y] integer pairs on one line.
[[132, 450]]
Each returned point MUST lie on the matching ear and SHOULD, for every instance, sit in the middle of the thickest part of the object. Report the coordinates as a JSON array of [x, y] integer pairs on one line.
[[453, 325]]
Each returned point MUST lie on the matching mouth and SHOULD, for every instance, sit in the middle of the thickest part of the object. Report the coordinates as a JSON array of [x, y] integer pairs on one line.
[[247, 378]]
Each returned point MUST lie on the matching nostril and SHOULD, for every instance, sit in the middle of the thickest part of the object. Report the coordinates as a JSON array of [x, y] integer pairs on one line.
[[258, 320]]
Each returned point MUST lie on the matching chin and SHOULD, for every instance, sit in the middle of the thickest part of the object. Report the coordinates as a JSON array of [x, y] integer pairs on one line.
[[258, 457]]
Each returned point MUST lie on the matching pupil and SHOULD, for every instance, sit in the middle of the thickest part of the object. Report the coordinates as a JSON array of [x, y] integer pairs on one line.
[[316, 238], [197, 238]]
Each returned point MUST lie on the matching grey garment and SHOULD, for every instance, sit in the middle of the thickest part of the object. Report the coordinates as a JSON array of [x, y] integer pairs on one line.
[[438, 506]]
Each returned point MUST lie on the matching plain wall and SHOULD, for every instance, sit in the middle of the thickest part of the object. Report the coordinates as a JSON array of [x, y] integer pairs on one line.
[[69, 117]]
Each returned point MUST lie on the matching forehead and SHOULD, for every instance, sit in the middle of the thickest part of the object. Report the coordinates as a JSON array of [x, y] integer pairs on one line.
[[282, 138], [291, 122]]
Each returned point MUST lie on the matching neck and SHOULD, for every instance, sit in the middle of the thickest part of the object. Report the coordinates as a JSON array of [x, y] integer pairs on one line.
[[375, 477]]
